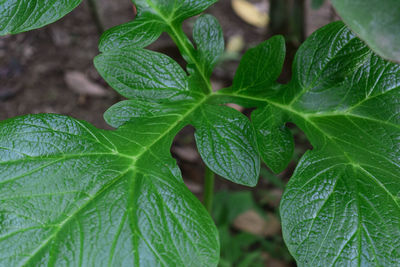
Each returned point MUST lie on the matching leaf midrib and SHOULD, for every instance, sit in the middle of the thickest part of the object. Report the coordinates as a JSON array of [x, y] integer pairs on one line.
[[60, 226], [176, 35], [135, 159], [304, 115], [307, 117]]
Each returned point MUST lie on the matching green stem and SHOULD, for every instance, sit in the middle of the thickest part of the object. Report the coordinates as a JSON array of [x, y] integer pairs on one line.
[[96, 16], [208, 194], [188, 52]]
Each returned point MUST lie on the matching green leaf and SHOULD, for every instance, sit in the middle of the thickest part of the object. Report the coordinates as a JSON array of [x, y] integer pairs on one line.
[[73, 195], [318, 78], [23, 15], [157, 16], [157, 86], [275, 141], [376, 22], [346, 191], [227, 143], [143, 74], [138, 33], [208, 37], [341, 207], [130, 110], [251, 77]]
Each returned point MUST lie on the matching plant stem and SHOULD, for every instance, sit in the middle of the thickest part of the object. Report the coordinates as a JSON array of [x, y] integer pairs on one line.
[[187, 50], [208, 194], [96, 16]]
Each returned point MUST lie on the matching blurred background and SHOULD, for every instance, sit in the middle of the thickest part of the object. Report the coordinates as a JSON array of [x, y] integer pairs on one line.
[[50, 70]]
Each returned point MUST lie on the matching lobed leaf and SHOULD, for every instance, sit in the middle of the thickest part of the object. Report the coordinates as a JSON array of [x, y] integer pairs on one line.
[[347, 187], [154, 17], [157, 86], [214, 124], [23, 15], [75, 195], [341, 207]]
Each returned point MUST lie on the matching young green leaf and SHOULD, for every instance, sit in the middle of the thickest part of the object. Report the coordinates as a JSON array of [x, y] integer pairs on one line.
[[138, 33], [208, 37], [251, 77], [377, 22], [341, 207], [75, 195], [157, 86], [227, 143], [144, 74], [23, 15], [168, 16], [153, 18], [275, 141]]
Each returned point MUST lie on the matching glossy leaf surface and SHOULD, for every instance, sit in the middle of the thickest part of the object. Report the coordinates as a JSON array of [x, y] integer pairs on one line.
[[344, 98], [260, 66], [349, 212], [153, 18], [218, 128], [73, 195], [139, 33], [377, 22], [341, 207], [157, 86], [23, 15], [227, 143], [275, 141], [143, 74], [209, 40]]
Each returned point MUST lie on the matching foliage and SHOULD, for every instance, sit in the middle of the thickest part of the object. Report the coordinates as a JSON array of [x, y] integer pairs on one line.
[[24, 15], [72, 194]]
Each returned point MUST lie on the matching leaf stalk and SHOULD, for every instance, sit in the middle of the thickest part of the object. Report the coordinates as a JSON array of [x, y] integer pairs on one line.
[[208, 194], [188, 52]]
